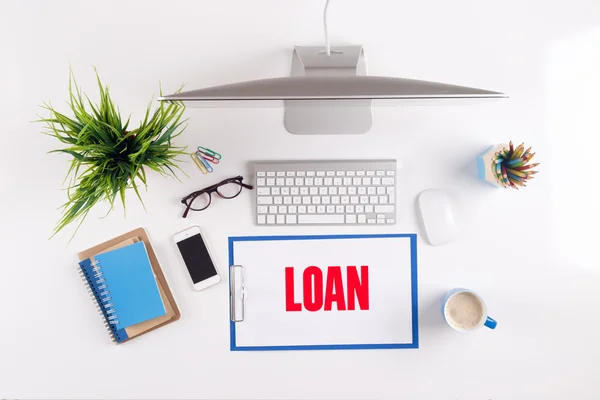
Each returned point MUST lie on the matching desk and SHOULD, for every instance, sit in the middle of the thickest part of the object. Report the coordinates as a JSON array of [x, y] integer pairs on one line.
[[543, 292]]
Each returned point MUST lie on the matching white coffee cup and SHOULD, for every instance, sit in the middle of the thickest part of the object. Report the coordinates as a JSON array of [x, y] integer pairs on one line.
[[465, 312]]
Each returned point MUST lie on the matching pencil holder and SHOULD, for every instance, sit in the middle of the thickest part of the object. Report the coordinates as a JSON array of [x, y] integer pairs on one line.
[[505, 166], [485, 165]]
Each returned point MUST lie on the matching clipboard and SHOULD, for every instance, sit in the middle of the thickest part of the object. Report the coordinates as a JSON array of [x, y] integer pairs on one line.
[[394, 325]]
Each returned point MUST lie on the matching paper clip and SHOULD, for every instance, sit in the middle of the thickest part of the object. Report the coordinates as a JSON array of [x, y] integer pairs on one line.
[[199, 163], [209, 152], [208, 157], [206, 164]]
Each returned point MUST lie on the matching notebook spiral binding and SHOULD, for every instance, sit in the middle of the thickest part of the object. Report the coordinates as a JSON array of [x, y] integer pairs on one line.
[[101, 298]]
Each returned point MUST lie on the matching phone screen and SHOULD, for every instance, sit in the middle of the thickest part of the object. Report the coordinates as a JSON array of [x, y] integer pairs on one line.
[[196, 258]]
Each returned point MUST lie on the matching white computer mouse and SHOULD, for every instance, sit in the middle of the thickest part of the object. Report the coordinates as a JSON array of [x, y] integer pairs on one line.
[[438, 219]]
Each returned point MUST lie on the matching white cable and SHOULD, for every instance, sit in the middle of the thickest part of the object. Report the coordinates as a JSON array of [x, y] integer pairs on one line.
[[327, 45]]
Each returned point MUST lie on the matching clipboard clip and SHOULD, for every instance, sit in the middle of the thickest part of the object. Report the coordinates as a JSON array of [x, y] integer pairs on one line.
[[237, 293]]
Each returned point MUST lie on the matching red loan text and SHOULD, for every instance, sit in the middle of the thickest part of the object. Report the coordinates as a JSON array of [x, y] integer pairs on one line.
[[319, 294]]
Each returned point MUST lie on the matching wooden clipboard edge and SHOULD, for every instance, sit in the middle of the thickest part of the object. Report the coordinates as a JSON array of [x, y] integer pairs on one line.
[[154, 262]]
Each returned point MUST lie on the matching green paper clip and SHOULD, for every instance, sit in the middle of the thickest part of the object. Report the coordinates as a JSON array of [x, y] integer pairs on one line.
[[209, 152]]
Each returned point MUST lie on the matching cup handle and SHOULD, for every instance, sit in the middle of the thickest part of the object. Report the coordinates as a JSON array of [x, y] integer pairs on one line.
[[490, 323]]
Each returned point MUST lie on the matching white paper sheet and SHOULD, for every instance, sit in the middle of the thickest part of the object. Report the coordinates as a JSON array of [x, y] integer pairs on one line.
[[388, 321]]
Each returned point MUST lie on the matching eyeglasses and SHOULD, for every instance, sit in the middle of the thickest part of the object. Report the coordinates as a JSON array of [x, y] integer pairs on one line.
[[227, 189]]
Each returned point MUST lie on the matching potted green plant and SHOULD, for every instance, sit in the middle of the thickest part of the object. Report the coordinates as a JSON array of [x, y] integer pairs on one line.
[[109, 157]]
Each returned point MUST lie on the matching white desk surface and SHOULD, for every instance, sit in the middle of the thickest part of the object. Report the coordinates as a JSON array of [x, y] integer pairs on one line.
[[531, 254]]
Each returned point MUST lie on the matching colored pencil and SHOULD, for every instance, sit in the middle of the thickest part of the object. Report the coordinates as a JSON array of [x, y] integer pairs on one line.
[[510, 146], [516, 173], [504, 175], [516, 183], [526, 167]]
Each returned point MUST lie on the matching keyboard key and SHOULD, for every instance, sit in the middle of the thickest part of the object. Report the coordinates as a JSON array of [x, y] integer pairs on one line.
[[380, 190], [370, 221], [333, 190], [291, 173], [280, 173], [369, 208], [362, 190], [270, 181], [390, 173], [281, 219], [285, 191], [390, 190], [328, 181], [323, 190], [370, 173], [371, 190], [318, 181], [294, 191], [311, 209], [301, 173], [391, 199], [342, 190], [262, 219], [287, 200], [352, 190], [270, 219], [384, 209], [360, 209], [350, 219], [264, 200], [330, 209], [360, 173], [260, 173], [326, 200], [320, 173], [376, 181], [282, 209], [262, 209], [310, 173], [321, 219], [296, 200], [270, 173], [364, 199], [260, 182], [309, 181], [299, 182], [280, 181], [383, 199], [340, 173], [349, 209], [362, 219], [337, 181], [335, 199], [345, 199], [353, 199], [290, 219], [272, 209], [313, 190], [380, 173], [366, 181], [306, 200], [380, 216], [387, 181], [380, 221], [339, 209], [301, 209], [356, 181], [263, 191], [303, 191], [292, 209], [316, 200], [275, 191], [321, 209], [289, 181], [277, 200], [347, 181], [373, 199], [350, 173], [390, 221], [330, 173]]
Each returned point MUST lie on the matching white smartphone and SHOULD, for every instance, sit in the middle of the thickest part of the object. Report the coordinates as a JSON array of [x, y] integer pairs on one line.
[[197, 258]]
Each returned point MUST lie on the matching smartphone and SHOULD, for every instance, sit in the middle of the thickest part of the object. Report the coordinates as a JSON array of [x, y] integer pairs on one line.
[[196, 257]]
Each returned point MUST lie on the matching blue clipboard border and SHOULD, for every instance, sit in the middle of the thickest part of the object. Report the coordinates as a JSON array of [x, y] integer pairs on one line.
[[414, 295]]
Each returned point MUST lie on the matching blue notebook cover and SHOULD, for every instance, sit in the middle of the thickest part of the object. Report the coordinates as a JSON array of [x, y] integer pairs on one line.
[[126, 286]]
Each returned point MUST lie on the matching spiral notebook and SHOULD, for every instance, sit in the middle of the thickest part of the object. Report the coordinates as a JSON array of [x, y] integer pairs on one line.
[[124, 287]]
